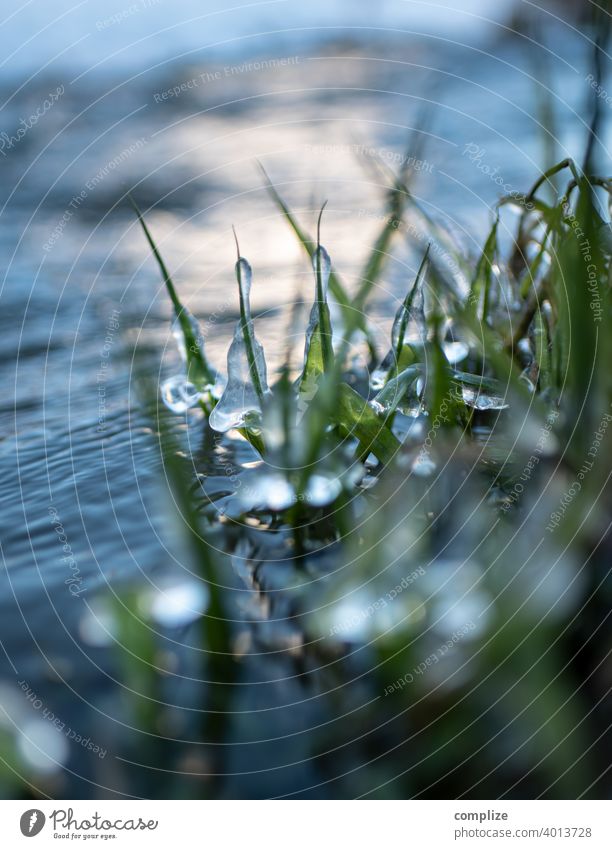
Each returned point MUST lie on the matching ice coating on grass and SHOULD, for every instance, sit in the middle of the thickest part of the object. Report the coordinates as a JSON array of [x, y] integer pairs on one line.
[[321, 255], [240, 400], [412, 318], [409, 324], [423, 465], [245, 279], [179, 394], [378, 377], [270, 490], [480, 400], [177, 332], [313, 321], [390, 396]]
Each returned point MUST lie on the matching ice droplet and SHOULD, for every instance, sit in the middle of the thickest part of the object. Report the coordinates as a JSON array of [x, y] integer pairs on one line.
[[378, 377], [178, 604], [98, 627], [43, 746], [321, 490], [179, 394], [268, 490], [423, 466]]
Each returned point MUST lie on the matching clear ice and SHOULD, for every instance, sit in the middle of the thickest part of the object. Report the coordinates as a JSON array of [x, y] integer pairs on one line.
[[313, 323], [178, 393], [409, 324], [240, 401], [390, 396], [480, 400]]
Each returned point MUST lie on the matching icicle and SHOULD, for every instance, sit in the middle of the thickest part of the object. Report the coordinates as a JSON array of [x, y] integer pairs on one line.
[[268, 490], [409, 325], [240, 400]]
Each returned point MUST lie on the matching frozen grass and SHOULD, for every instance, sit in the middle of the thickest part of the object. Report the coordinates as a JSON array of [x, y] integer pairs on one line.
[[439, 572], [419, 465]]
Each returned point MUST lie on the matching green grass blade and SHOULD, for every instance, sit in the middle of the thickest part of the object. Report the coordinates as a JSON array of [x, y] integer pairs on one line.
[[396, 387], [542, 351], [483, 276], [243, 278], [198, 370], [403, 315]]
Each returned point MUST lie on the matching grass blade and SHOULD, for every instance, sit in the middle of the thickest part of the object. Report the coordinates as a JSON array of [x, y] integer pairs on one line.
[[198, 370]]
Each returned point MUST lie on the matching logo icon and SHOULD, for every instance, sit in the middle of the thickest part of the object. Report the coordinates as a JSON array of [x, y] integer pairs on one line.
[[32, 822]]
